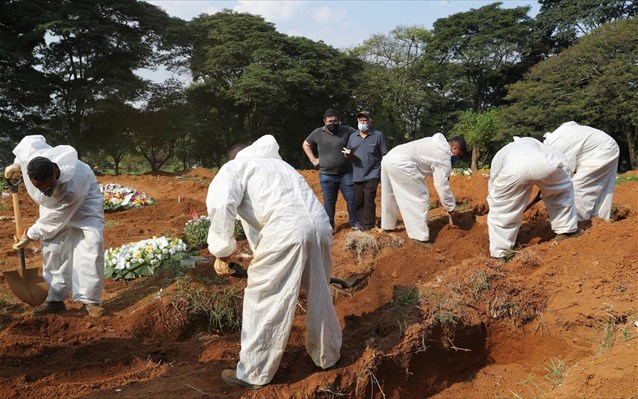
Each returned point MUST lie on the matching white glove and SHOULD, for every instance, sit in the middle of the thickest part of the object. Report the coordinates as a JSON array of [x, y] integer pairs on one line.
[[13, 172], [222, 267], [24, 241]]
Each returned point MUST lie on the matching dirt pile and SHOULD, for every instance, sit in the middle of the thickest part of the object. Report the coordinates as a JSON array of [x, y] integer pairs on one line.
[[558, 321]]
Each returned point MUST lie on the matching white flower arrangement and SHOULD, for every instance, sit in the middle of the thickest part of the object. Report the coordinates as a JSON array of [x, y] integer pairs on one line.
[[142, 258], [117, 197]]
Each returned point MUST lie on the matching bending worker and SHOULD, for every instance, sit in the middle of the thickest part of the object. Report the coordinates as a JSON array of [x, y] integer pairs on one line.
[[403, 188], [592, 155], [291, 238], [70, 226], [515, 169]]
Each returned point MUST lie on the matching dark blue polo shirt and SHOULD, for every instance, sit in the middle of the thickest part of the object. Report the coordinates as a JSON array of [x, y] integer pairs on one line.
[[367, 152]]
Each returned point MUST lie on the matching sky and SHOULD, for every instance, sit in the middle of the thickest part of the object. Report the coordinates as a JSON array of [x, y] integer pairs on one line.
[[338, 23], [341, 24]]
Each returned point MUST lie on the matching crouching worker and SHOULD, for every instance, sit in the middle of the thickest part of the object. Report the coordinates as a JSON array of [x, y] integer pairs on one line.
[[291, 238], [70, 226], [516, 169]]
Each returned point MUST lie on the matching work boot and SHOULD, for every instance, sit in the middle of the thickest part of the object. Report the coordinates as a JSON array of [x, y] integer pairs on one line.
[[424, 244], [94, 309], [561, 237], [53, 307], [229, 376]]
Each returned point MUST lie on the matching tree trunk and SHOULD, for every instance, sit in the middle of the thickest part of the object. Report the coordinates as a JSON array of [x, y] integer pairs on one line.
[[632, 147], [475, 156]]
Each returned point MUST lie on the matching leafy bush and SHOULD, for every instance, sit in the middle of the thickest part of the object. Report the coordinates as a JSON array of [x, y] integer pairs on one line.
[[117, 197], [142, 258]]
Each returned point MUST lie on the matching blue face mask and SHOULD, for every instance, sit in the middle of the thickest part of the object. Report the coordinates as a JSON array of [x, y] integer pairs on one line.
[[454, 159], [363, 127]]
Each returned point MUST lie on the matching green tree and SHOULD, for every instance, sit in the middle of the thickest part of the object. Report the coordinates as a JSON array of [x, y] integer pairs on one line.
[[594, 82], [24, 89], [393, 84], [91, 51], [478, 52], [478, 128], [109, 131], [161, 123], [250, 80], [566, 20]]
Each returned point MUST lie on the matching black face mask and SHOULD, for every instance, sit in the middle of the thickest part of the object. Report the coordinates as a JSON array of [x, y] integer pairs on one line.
[[333, 127], [47, 191]]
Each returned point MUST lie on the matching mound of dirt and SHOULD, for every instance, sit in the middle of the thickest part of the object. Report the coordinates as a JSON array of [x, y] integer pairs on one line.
[[558, 321]]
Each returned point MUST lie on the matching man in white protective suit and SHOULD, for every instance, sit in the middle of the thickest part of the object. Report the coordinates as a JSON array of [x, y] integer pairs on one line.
[[70, 226], [515, 169], [403, 188], [592, 155], [291, 238]]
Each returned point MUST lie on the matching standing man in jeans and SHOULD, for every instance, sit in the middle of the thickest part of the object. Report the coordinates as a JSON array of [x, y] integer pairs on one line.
[[335, 170], [366, 148]]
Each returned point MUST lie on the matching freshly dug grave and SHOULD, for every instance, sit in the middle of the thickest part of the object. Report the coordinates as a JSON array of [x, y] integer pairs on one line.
[[558, 321]]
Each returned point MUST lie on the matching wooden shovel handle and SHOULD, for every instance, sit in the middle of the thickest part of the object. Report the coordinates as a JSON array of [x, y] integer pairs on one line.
[[16, 215]]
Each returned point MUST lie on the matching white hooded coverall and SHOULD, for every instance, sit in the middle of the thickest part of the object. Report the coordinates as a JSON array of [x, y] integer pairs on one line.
[[592, 155], [291, 238], [515, 169], [71, 223], [403, 188]]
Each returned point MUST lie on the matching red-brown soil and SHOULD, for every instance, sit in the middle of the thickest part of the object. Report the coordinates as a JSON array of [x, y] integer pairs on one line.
[[559, 321]]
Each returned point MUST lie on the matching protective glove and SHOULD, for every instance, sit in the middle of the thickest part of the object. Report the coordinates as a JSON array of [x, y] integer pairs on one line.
[[24, 241], [221, 267], [13, 172]]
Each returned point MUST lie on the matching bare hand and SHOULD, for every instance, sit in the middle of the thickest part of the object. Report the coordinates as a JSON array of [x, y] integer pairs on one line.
[[315, 162]]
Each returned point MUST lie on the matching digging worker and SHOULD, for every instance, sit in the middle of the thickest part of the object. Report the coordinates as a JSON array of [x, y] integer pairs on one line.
[[291, 239], [515, 169], [335, 170], [403, 188], [70, 226], [366, 148], [592, 155]]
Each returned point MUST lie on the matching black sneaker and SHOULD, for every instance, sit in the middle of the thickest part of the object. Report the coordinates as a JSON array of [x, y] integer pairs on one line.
[[53, 307]]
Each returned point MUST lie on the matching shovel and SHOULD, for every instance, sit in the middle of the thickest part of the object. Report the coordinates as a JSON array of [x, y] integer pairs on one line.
[[27, 284], [533, 202], [348, 282], [351, 281]]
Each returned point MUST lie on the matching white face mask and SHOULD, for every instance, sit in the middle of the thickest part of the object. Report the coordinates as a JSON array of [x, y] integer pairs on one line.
[[363, 127]]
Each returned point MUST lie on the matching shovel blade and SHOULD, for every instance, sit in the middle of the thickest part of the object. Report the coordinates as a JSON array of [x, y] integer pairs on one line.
[[29, 287], [351, 281]]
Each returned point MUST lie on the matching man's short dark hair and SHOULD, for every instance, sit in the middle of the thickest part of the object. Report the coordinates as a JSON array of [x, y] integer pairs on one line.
[[460, 142], [40, 168], [232, 151], [330, 112]]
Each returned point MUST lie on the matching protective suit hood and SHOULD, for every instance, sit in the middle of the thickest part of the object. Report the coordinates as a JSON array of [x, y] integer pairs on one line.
[[441, 142], [265, 147], [66, 157]]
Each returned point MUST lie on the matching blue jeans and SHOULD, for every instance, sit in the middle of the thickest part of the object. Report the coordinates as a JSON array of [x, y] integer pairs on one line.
[[330, 187]]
